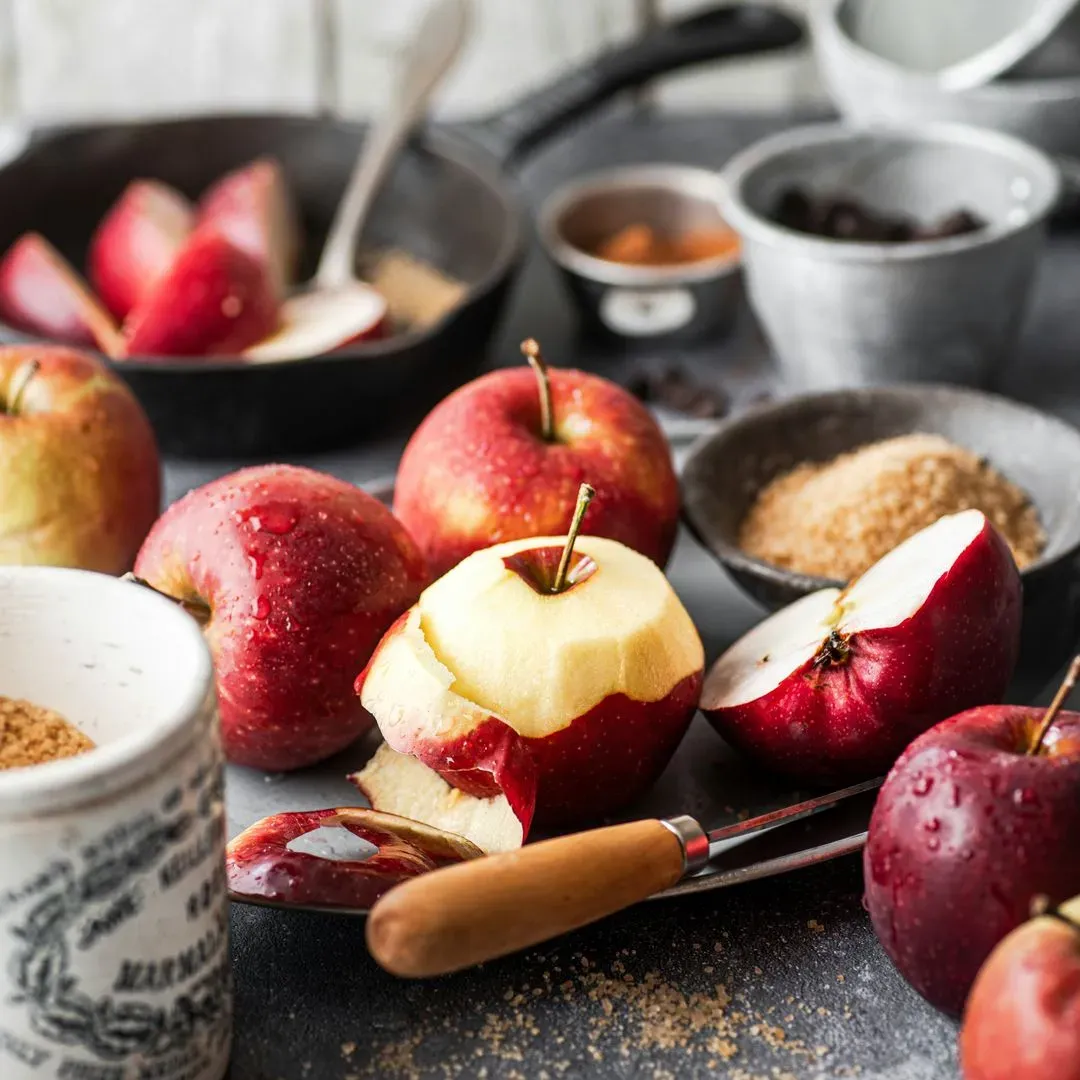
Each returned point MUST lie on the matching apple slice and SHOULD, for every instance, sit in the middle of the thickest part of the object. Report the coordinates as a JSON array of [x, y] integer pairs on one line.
[[253, 207], [41, 293], [136, 242], [833, 687], [344, 857], [214, 299], [320, 322]]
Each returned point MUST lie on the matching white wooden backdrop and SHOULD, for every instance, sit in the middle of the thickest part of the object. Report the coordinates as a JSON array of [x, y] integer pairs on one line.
[[87, 58]]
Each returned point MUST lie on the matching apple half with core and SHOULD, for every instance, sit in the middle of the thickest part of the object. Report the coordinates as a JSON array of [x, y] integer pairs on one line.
[[502, 458], [1022, 1020], [296, 576], [346, 857], [549, 677], [833, 687], [980, 815]]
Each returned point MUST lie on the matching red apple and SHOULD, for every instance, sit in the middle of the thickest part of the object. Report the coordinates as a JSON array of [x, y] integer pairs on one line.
[[136, 242], [502, 459], [214, 299], [321, 322], [253, 207], [298, 574], [833, 687], [339, 858], [501, 695], [80, 480], [40, 293], [980, 815], [1022, 1020]]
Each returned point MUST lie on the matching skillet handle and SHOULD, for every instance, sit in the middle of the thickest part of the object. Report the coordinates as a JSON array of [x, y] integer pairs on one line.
[[734, 30]]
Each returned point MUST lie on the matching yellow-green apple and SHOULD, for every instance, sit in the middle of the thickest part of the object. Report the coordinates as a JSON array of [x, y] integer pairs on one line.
[[80, 479], [1022, 1020], [502, 459], [41, 293], [253, 207], [297, 575], [213, 299], [980, 815], [346, 857], [136, 242], [507, 692], [833, 687]]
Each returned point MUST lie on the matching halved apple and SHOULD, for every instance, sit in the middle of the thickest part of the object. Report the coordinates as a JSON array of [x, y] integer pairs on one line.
[[516, 699], [834, 686], [341, 857], [41, 293], [136, 242]]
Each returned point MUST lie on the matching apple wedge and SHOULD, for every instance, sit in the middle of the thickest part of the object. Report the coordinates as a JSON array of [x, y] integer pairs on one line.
[[833, 687], [214, 299], [563, 703], [321, 322], [253, 207], [345, 857], [136, 242], [42, 294]]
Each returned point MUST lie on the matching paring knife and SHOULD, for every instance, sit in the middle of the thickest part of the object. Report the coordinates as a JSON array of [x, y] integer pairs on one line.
[[475, 911]]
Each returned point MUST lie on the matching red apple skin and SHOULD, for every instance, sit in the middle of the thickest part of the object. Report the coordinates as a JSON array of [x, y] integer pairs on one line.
[[1022, 1020], [136, 242], [259, 865], [967, 830], [841, 723], [303, 574], [214, 299], [80, 478], [42, 294], [476, 471]]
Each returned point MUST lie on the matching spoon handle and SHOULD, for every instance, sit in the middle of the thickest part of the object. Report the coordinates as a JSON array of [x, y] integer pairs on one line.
[[429, 56]]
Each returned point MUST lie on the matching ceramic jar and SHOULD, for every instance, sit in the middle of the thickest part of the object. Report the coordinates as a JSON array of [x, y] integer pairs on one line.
[[114, 961]]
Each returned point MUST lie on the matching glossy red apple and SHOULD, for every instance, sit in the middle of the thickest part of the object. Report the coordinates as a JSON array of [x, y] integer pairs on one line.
[[136, 242], [1022, 1020], [298, 574], [979, 816], [502, 459], [506, 693], [214, 299], [41, 294], [253, 207], [80, 480], [833, 687], [345, 857]]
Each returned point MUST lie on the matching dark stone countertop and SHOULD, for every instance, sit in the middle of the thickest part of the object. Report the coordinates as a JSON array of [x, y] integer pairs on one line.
[[776, 980]]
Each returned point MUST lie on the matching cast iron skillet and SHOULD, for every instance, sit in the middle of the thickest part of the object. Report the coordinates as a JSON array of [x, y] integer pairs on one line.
[[449, 201]]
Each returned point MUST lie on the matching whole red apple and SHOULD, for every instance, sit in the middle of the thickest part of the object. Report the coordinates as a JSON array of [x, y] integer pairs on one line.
[[1022, 1020], [502, 458], [298, 575], [80, 479], [980, 815], [833, 687]]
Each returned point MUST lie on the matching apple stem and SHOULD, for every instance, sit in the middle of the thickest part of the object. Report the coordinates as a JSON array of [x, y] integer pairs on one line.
[[29, 370], [531, 348], [585, 496], [1064, 690], [199, 611]]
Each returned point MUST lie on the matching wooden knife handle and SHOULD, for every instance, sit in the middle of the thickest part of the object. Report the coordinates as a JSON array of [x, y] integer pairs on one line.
[[475, 911]]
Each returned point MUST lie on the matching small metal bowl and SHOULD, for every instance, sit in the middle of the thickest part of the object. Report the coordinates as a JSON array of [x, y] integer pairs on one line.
[[683, 302], [726, 470]]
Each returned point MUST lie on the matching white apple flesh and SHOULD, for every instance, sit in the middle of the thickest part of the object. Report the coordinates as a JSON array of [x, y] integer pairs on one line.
[[833, 687]]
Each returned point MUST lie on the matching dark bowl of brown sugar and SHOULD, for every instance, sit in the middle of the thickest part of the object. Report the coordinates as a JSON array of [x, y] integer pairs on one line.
[[786, 492]]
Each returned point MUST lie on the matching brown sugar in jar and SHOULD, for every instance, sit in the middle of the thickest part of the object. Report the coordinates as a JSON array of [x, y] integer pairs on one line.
[[33, 735]]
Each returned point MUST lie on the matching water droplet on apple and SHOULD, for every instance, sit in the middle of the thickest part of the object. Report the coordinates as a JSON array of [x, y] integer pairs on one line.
[[954, 795], [255, 562], [932, 824], [275, 519], [967, 854], [933, 843], [1025, 797], [260, 608], [922, 785]]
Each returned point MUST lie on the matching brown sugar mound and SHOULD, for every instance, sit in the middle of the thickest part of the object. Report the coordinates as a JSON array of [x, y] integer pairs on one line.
[[837, 519], [32, 735]]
